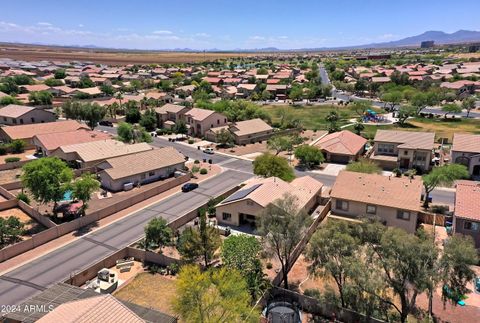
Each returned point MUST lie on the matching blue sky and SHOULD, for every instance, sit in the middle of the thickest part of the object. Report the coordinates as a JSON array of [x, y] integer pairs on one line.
[[206, 24]]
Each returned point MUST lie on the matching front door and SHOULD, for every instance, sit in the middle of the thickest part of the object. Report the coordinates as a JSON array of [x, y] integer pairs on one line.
[[404, 163]]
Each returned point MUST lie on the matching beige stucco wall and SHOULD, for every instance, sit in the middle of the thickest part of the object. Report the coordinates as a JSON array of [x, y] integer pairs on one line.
[[213, 121], [403, 153], [459, 223], [235, 209], [254, 137], [388, 214], [39, 116], [474, 159]]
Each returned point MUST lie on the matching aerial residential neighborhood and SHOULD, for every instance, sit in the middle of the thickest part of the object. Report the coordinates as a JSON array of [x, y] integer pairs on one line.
[[191, 162]]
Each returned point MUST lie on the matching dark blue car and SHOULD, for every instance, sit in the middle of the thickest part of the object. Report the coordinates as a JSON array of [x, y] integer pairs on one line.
[[189, 187]]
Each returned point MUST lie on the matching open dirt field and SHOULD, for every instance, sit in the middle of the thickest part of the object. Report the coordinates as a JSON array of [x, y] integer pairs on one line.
[[110, 57], [31, 226]]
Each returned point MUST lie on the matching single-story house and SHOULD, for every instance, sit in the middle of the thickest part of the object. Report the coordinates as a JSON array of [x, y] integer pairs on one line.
[[243, 132], [395, 201], [48, 142], [140, 168], [403, 149], [14, 114], [466, 218], [247, 204], [91, 153], [200, 120], [466, 151], [341, 147]]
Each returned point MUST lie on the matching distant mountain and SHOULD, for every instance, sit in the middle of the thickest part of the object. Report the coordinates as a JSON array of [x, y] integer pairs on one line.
[[439, 37]]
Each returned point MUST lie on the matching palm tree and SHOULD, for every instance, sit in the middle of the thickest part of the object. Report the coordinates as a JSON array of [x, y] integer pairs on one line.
[[119, 97]]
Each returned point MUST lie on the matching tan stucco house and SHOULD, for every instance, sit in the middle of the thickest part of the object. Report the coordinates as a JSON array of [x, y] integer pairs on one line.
[[341, 147], [169, 114], [13, 114], [244, 132], [395, 201], [466, 219], [200, 120], [403, 149], [247, 204], [466, 151]]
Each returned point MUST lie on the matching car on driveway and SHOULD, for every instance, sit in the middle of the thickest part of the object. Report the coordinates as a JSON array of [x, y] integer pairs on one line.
[[106, 123], [208, 151], [189, 187]]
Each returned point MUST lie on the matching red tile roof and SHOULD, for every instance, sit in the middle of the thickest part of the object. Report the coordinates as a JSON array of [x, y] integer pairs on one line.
[[344, 143], [467, 200]]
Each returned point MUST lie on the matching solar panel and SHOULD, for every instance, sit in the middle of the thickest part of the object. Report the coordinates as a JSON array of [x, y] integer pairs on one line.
[[241, 194]]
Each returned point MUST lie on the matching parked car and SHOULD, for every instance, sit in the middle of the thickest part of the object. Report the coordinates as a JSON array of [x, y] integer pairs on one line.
[[106, 123], [477, 284], [208, 151], [189, 187]]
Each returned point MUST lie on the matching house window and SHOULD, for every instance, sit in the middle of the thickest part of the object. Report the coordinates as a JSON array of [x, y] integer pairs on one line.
[[342, 205], [14, 121], [405, 152], [226, 216], [4, 118], [142, 176], [371, 209], [218, 121], [403, 215], [151, 174], [21, 121], [385, 148], [472, 226], [33, 120]]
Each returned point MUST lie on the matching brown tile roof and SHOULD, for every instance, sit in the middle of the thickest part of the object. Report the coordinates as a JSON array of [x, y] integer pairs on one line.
[[172, 108], [52, 141], [407, 139], [344, 143], [465, 142], [104, 149], [242, 128], [199, 114], [102, 308], [15, 110], [273, 188], [35, 87], [143, 162], [30, 130], [395, 192], [90, 90], [467, 200]]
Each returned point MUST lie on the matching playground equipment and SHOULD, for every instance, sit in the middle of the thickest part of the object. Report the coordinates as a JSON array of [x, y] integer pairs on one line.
[[372, 116]]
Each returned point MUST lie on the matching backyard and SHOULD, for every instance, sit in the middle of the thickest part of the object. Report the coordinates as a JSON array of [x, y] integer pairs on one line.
[[150, 290]]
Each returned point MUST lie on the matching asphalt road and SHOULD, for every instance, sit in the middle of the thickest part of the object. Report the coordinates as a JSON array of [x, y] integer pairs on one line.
[[27, 280]]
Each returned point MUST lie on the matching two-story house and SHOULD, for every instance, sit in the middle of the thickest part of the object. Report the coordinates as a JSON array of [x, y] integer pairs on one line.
[[201, 120], [395, 201], [169, 114], [403, 149], [466, 218], [466, 151]]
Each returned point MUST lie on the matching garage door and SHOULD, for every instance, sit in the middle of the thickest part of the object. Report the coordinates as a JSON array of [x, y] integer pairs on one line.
[[341, 159]]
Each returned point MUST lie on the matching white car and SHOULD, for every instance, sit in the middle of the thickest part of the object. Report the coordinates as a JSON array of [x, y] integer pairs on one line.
[[208, 151]]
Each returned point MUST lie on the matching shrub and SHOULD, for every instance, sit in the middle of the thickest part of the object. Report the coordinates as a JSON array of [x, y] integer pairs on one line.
[[269, 265], [312, 292], [17, 146], [397, 172], [195, 169], [23, 197], [191, 141], [196, 161], [203, 171], [12, 159], [173, 268], [440, 209], [3, 150]]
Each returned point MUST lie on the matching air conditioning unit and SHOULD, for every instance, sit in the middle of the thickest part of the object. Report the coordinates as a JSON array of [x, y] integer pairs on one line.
[[127, 186]]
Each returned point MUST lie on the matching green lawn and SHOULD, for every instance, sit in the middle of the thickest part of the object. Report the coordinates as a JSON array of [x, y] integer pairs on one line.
[[311, 117]]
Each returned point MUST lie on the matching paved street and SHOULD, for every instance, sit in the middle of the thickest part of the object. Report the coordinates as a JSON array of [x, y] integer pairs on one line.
[[25, 281]]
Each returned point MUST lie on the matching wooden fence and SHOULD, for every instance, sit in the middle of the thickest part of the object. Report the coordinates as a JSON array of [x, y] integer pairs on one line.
[[431, 218]]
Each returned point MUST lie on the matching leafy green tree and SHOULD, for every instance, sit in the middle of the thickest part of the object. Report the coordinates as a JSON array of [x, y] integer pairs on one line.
[[9, 86], [405, 112], [85, 82], [40, 98], [469, 104], [60, 74], [364, 166], [181, 127], [393, 98], [400, 78], [107, 89], [332, 119], [6, 100], [421, 100], [125, 132], [149, 120], [280, 143], [309, 156], [84, 187], [92, 114], [225, 138], [296, 93], [262, 71], [451, 108], [53, 82], [443, 175], [72, 110], [266, 95], [268, 165], [282, 226], [11, 229], [241, 252], [199, 243], [360, 86], [47, 179], [361, 107], [18, 146], [358, 127], [22, 79], [332, 251], [216, 295], [158, 233], [133, 115]]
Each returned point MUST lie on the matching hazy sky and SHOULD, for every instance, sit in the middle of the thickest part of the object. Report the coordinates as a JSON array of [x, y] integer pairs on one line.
[[207, 24]]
